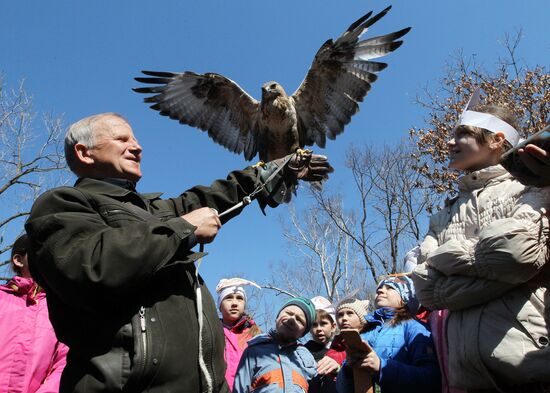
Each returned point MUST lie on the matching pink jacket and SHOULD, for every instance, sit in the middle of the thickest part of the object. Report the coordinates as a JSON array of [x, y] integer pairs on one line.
[[236, 338], [31, 358], [438, 326]]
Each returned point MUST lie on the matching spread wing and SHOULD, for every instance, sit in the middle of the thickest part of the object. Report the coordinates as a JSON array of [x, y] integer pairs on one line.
[[339, 78], [208, 101]]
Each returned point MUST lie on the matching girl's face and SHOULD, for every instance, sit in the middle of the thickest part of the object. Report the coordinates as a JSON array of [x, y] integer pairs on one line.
[[467, 154], [232, 308], [386, 296], [348, 319], [322, 330]]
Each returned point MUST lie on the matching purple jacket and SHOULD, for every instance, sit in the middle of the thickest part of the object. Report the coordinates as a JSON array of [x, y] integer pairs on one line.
[[31, 358]]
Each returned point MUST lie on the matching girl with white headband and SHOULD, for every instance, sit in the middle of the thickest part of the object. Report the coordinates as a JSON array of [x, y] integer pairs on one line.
[[238, 326], [483, 265]]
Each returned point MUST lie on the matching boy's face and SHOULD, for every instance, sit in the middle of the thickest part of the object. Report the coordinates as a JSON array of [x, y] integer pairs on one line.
[[291, 323], [322, 330]]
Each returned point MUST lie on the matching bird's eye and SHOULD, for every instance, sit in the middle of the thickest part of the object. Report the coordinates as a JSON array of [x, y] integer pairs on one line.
[[273, 86]]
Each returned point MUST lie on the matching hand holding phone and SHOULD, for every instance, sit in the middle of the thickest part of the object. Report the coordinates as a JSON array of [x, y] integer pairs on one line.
[[529, 161], [355, 347], [353, 343]]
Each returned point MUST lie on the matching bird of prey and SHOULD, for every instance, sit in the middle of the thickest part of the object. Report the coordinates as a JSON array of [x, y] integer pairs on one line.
[[339, 78]]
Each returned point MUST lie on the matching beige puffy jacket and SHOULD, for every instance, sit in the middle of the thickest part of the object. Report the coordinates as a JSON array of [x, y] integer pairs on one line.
[[484, 259]]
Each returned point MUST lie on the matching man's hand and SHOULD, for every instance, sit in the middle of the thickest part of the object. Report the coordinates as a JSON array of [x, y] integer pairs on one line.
[[327, 365], [207, 222], [538, 162]]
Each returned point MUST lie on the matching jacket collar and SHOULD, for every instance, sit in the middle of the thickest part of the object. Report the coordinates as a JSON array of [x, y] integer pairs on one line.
[[24, 288], [243, 323], [112, 187], [482, 178], [380, 315]]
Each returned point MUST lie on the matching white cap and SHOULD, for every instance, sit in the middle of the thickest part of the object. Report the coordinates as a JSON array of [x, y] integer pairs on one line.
[[324, 304], [228, 286]]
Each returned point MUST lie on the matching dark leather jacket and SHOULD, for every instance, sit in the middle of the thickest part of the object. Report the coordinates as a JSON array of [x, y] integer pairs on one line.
[[121, 281]]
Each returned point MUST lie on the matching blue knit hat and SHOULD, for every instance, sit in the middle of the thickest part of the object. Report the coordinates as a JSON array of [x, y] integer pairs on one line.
[[306, 306], [405, 287]]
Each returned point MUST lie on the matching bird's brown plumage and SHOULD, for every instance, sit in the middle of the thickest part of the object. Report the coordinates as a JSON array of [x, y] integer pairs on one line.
[[339, 78]]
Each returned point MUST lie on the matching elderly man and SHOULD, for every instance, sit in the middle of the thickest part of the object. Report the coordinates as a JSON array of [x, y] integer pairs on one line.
[[118, 265]]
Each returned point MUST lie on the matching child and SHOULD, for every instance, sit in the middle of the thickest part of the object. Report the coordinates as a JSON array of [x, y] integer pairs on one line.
[[322, 331], [403, 357], [275, 362], [31, 357], [238, 326], [350, 314], [484, 260]]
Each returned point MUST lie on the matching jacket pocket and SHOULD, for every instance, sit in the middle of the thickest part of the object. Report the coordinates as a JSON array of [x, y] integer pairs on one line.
[[116, 217], [530, 307]]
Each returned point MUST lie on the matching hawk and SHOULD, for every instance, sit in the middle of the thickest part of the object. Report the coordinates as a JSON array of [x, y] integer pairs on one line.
[[339, 78]]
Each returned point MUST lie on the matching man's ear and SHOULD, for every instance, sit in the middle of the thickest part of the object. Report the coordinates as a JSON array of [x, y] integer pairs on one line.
[[83, 154], [498, 141]]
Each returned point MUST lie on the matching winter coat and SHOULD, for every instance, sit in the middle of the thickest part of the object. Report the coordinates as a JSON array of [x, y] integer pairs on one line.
[[485, 260], [438, 327], [236, 338], [317, 350], [122, 284], [266, 367], [321, 383], [407, 357], [31, 357]]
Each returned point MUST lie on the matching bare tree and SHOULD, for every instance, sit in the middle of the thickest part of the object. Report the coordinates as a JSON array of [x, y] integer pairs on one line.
[[522, 89], [31, 160], [324, 262], [343, 251]]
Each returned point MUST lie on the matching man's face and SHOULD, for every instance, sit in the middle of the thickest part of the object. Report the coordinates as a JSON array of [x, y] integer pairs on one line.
[[291, 323], [117, 152], [322, 330]]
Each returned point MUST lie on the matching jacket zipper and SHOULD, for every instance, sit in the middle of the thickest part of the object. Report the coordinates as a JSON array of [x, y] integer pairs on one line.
[[210, 335], [143, 334]]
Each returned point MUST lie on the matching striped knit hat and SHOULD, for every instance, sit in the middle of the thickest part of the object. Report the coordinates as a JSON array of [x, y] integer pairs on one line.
[[306, 306], [405, 287]]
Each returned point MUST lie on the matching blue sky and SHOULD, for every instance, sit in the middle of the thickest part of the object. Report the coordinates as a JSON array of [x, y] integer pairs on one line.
[[79, 58]]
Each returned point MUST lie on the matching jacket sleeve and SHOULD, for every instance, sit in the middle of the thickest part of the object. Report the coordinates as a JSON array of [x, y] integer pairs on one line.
[[339, 356], [223, 194], [422, 373], [509, 252], [436, 291], [52, 380], [511, 249], [243, 377], [79, 256]]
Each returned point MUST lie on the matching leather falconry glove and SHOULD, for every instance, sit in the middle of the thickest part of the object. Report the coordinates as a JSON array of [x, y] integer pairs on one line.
[[305, 165]]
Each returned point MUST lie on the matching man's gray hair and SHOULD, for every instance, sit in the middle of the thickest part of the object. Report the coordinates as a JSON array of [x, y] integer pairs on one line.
[[83, 131]]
